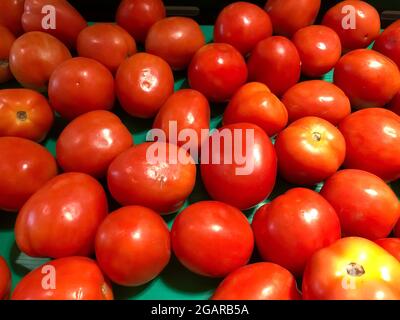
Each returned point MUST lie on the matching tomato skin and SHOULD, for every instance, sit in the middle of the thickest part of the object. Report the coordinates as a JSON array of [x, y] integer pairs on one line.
[[7, 39], [10, 15], [77, 278], [391, 245], [328, 275], [90, 142], [176, 40], [5, 279], [217, 70], [254, 103], [129, 260], [212, 238], [62, 217], [276, 63], [388, 43]]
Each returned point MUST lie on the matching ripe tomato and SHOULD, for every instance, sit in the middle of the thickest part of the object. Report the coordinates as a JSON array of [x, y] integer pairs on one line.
[[5, 279], [176, 40], [359, 73], [255, 103], [391, 245], [133, 245], [10, 15], [276, 63], [240, 168], [357, 23], [137, 16], [217, 70], [388, 43], [33, 58], [294, 226], [212, 238], [373, 142], [143, 83], [107, 43], [7, 39], [394, 105], [352, 269], [75, 278], [242, 25], [316, 98], [25, 166], [90, 142], [24, 113], [258, 281], [62, 217], [309, 150]]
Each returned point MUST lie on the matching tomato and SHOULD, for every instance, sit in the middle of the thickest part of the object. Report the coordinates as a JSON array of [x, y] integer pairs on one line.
[[137, 16], [288, 16], [107, 43], [90, 142], [143, 83], [394, 105], [358, 73], [276, 63], [75, 278], [62, 217], [316, 98], [240, 169], [373, 142], [309, 150], [7, 39], [80, 85], [25, 166], [10, 15], [33, 58], [217, 70], [242, 25], [352, 269], [212, 238], [357, 23], [294, 226], [255, 103], [24, 113], [176, 40], [391, 245], [258, 281], [388, 43], [367, 207], [133, 245], [5, 279]]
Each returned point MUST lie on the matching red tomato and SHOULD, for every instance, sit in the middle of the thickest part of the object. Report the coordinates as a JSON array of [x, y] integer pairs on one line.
[[357, 23], [10, 15], [276, 63], [316, 98], [373, 142], [309, 150], [133, 245], [388, 43], [143, 83], [240, 169], [394, 105], [62, 217], [258, 281], [25, 167], [75, 278], [242, 25], [255, 103], [7, 39], [352, 269], [359, 73], [217, 70], [367, 207], [137, 16], [90, 143], [212, 238], [397, 229], [176, 40], [5, 279], [24, 113], [33, 58], [107, 43], [391, 245], [294, 226], [80, 85]]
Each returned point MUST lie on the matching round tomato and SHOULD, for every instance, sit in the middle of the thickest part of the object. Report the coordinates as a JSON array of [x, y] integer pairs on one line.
[[5, 279], [391, 245], [7, 39], [388, 43], [395, 104], [10, 15]]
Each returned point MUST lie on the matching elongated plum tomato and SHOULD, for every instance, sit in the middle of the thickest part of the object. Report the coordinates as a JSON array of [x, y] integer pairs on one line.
[[212, 238], [294, 226], [62, 217], [10, 15], [391, 245], [90, 142], [133, 245], [258, 281], [242, 159], [388, 43], [5, 279], [25, 166], [76, 278], [7, 39], [352, 269]]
